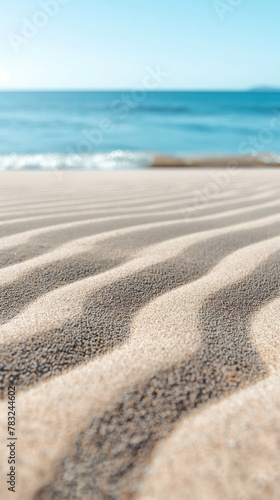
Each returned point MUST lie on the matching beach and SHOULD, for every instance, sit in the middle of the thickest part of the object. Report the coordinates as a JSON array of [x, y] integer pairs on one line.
[[140, 328]]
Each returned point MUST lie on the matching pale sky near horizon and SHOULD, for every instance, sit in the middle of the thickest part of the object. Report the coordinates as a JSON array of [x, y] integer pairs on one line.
[[109, 44]]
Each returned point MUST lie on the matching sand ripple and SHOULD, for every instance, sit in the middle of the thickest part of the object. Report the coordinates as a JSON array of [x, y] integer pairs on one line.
[[141, 329]]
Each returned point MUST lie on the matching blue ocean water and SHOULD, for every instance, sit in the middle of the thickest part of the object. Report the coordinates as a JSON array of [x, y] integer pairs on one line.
[[112, 129]]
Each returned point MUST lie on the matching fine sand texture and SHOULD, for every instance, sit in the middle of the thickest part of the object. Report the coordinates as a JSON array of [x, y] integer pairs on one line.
[[140, 326]]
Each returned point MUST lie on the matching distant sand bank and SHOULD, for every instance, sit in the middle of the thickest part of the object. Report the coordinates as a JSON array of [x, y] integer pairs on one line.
[[269, 159]]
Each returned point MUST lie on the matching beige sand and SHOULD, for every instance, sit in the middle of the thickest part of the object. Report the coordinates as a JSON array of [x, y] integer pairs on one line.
[[140, 324]]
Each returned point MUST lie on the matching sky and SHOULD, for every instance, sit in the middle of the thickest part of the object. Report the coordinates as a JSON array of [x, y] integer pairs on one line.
[[114, 44]]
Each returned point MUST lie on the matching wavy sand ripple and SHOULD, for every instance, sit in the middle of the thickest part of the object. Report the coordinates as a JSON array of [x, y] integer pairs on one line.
[[141, 328]]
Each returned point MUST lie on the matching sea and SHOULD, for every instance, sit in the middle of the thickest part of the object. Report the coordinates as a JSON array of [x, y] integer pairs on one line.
[[125, 129]]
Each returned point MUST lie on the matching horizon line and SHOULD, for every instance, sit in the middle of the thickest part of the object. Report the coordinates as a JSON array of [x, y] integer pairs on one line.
[[126, 89]]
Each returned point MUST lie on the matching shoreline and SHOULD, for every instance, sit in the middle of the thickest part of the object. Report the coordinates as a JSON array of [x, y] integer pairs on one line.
[[130, 160]]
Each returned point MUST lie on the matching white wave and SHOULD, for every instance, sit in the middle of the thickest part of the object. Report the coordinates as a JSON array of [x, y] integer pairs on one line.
[[95, 161]]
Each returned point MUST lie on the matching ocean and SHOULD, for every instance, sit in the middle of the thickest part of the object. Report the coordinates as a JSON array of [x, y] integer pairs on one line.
[[87, 129]]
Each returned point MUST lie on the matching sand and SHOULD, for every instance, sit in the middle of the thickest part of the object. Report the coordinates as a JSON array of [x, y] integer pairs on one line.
[[139, 322]]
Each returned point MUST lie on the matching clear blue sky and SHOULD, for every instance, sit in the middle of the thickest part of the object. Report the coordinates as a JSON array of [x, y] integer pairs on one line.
[[107, 44]]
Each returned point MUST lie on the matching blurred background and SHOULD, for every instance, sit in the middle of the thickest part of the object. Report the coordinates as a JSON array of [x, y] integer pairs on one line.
[[111, 84]]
